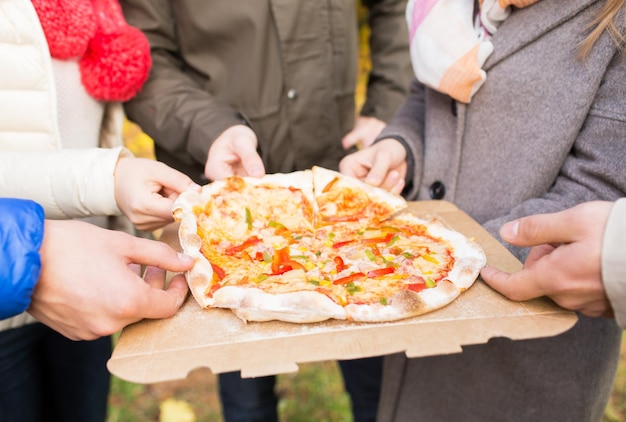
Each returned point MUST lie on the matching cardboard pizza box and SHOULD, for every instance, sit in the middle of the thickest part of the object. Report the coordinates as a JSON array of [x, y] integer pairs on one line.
[[161, 350]]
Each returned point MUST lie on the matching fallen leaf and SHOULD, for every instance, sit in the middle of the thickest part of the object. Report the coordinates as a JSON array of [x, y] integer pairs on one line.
[[172, 410]]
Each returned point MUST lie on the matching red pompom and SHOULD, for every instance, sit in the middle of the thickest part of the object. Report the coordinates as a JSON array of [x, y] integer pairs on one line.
[[116, 65], [67, 24]]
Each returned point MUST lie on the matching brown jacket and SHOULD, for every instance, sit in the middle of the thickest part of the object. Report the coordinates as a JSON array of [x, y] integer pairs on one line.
[[288, 68]]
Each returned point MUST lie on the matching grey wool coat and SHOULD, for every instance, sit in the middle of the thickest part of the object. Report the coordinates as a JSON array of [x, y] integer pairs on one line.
[[546, 131]]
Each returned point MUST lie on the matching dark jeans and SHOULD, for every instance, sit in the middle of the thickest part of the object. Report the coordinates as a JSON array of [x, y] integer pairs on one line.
[[253, 399], [47, 377]]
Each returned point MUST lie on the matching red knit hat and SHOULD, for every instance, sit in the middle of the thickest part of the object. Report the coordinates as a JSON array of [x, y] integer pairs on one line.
[[114, 58]]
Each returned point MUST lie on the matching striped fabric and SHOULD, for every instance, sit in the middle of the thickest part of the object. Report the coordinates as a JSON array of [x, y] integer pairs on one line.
[[450, 42]]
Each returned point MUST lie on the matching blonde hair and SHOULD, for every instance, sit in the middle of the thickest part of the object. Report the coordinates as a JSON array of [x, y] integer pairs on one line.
[[606, 20]]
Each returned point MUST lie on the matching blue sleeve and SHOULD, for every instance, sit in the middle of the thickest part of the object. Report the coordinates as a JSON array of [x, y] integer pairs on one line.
[[21, 234]]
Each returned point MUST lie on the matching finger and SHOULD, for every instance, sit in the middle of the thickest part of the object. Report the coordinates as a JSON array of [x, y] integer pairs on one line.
[[397, 187], [164, 303], [154, 253], [351, 139], [252, 163], [538, 252], [392, 180], [519, 286], [135, 268], [380, 168], [538, 229], [174, 180], [155, 277], [173, 193], [350, 166], [160, 209]]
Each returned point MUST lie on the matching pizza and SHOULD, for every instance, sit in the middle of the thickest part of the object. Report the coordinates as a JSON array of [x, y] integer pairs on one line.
[[314, 245]]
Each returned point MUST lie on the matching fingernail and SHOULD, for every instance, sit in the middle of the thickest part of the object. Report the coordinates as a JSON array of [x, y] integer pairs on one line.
[[185, 258], [510, 230], [194, 186], [256, 171]]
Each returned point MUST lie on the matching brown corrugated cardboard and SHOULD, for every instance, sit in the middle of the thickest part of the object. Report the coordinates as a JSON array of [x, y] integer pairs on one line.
[[160, 350]]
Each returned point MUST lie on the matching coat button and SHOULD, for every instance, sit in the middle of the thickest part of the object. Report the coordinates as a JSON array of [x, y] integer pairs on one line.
[[437, 190], [292, 94]]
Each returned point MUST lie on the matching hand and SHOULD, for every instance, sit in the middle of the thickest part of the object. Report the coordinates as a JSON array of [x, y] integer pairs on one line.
[[364, 133], [564, 263], [383, 164], [234, 154], [145, 191], [90, 285]]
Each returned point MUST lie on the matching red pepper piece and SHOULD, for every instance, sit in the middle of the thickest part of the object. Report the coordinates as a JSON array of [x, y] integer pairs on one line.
[[251, 241], [339, 263], [380, 272], [351, 277], [342, 244], [217, 270], [330, 185], [386, 239], [416, 287]]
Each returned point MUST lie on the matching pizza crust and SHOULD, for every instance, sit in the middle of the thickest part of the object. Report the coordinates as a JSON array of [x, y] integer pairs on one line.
[[200, 275], [405, 304], [252, 304]]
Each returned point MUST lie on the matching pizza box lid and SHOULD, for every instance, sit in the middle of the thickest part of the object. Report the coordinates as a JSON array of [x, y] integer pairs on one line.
[[152, 351]]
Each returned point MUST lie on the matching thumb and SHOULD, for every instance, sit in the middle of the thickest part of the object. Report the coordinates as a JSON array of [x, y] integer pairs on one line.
[[250, 160], [175, 182]]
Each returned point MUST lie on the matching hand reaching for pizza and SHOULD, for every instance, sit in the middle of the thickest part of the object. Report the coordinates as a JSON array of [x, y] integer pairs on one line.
[[145, 191], [89, 284], [564, 262], [383, 165], [364, 133], [234, 154]]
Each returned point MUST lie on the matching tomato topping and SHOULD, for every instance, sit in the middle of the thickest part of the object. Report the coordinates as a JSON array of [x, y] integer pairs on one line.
[[380, 272], [352, 277], [416, 287], [339, 263]]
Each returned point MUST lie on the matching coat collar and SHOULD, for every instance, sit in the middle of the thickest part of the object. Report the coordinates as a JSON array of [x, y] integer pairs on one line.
[[528, 24]]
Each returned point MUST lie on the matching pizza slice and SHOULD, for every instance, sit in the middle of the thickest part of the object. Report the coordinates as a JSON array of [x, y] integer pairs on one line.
[[341, 198], [231, 226], [402, 267]]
